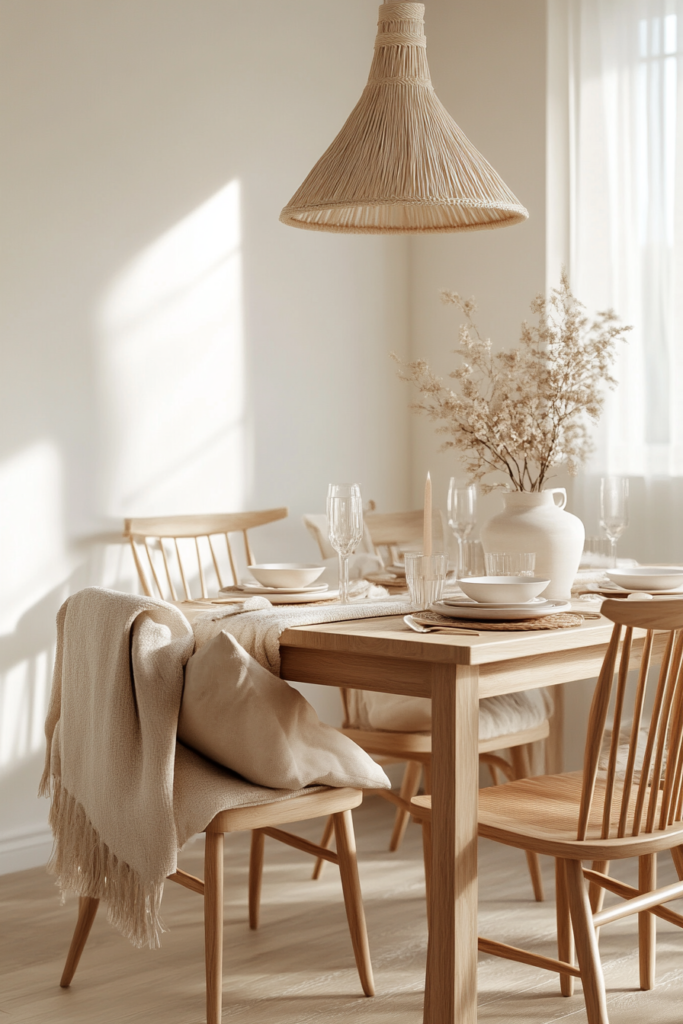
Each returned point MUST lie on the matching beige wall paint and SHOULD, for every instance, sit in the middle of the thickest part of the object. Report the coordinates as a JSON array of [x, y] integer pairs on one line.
[[488, 63], [167, 344]]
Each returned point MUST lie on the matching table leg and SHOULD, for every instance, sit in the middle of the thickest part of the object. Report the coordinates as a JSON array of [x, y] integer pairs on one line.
[[451, 985]]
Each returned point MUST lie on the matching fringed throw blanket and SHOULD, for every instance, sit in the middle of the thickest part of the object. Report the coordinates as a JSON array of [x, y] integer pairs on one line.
[[125, 795]]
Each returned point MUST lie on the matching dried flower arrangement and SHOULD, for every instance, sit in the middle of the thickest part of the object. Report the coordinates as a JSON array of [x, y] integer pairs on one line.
[[523, 411]]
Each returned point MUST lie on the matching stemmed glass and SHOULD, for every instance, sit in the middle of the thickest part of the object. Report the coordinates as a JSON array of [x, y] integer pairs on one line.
[[345, 526], [613, 511], [462, 514]]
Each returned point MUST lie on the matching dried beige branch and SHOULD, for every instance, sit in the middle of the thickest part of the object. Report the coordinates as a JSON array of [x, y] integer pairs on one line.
[[520, 412]]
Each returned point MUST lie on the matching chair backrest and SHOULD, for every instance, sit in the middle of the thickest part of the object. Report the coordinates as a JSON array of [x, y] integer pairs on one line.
[[316, 524], [171, 544], [643, 775], [394, 532]]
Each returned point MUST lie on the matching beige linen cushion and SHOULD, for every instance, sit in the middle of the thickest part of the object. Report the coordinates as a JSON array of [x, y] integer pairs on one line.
[[498, 716], [242, 716]]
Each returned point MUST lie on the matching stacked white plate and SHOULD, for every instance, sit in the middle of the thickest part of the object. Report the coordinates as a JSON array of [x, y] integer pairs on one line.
[[286, 583], [293, 595], [467, 609], [648, 579]]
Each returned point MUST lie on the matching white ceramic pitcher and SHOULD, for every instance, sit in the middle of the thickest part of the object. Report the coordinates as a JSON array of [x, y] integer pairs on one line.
[[537, 522]]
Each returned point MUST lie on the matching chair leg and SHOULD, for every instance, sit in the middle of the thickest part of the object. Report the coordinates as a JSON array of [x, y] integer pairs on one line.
[[87, 908], [596, 893], [647, 923], [348, 868], [213, 925], [586, 945], [677, 857], [409, 788], [565, 935], [427, 778], [520, 763], [258, 840], [427, 854], [325, 842]]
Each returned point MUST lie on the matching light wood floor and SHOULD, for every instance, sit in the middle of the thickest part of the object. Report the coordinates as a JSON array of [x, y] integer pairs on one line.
[[298, 969]]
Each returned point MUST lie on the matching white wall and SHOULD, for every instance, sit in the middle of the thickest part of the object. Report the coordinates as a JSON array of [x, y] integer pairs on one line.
[[167, 344], [488, 63]]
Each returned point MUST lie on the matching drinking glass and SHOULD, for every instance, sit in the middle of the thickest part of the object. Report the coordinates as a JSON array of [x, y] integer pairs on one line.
[[345, 526], [462, 514], [472, 559], [501, 563], [425, 576], [613, 511]]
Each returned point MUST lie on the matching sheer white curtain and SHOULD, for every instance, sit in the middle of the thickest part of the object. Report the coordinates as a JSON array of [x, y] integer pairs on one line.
[[625, 244]]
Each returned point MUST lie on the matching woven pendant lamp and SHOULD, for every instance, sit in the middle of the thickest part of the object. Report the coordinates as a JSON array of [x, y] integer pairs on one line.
[[400, 163]]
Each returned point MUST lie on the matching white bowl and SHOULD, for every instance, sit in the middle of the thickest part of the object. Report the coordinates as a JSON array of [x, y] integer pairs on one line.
[[286, 574], [648, 577], [503, 589]]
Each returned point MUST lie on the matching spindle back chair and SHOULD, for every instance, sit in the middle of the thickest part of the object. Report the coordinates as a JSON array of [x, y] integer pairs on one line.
[[627, 802], [166, 538], [394, 532], [647, 796], [316, 524]]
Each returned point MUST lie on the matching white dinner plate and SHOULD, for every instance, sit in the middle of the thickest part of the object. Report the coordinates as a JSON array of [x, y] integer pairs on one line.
[[487, 613], [256, 588], [329, 595], [611, 588], [465, 602], [643, 590]]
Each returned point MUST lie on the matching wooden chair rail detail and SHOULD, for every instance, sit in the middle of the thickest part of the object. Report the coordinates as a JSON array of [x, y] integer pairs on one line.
[[523, 956], [628, 891], [188, 881], [300, 844], [640, 902], [201, 525]]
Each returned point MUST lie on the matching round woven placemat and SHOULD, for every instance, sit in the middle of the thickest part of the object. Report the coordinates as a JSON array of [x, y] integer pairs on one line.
[[563, 620]]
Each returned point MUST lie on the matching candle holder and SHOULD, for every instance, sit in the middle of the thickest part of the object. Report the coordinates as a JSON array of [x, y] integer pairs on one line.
[[425, 576]]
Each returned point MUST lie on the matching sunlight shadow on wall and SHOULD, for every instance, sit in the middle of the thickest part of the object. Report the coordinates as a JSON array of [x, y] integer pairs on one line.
[[34, 565], [172, 376], [32, 542]]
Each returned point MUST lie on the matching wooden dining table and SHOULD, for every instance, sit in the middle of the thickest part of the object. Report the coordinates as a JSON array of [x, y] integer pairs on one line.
[[456, 671]]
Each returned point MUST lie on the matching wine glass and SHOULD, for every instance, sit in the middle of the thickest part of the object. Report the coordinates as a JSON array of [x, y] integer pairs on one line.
[[345, 526], [613, 511], [462, 514]]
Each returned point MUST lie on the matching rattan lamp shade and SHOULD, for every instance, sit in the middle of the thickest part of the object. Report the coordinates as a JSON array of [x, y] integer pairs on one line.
[[400, 163]]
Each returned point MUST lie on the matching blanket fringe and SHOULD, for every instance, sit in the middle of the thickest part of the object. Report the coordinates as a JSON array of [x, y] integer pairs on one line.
[[84, 865]]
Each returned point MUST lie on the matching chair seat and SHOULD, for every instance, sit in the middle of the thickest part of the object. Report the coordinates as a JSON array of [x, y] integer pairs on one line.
[[542, 813], [502, 715], [417, 746], [319, 803]]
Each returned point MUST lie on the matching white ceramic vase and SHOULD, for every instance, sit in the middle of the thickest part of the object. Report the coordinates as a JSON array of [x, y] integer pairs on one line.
[[536, 522]]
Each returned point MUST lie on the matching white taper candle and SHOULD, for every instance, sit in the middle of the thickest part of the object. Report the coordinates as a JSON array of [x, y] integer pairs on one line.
[[427, 531]]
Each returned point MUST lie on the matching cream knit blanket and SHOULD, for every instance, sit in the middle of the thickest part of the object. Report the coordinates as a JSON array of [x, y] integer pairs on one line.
[[257, 624], [125, 795]]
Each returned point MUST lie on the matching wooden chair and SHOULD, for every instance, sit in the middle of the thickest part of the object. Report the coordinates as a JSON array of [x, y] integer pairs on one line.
[[316, 524], [169, 544], [393, 532], [262, 821], [627, 802]]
